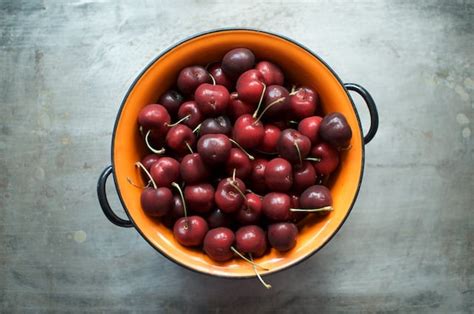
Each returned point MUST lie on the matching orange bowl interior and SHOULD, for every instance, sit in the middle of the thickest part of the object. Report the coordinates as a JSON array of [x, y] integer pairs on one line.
[[300, 66]]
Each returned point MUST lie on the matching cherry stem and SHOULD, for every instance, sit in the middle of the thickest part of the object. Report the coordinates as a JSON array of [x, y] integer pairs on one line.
[[293, 87], [294, 92], [140, 129], [186, 117], [260, 101], [246, 259], [266, 285], [233, 174], [180, 191], [313, 159], [156, 151], [312, 210], [250, 191], [273, 103], [213, 79], [345, 148], [136, 185], [140, 165], [189, 147], [235, 186], [293, 122], [242, 149], [196, 129], [299, 153]]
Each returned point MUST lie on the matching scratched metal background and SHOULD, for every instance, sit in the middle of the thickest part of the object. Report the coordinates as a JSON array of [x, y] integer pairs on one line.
[[64, 67]]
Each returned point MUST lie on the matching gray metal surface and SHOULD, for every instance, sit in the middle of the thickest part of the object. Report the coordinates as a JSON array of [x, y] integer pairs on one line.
[[407, 245]]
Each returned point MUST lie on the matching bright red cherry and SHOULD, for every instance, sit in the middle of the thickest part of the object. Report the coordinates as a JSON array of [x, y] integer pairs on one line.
[[155, 117], [190, 231], [239, 161], [211, 99], [237, 107], [270, 139], [179, 137], [272, 74], [309, 127], [328, 158], [248, 132], [250, 86], [190, 109], [165, 171], [303, 103], [257, 175]]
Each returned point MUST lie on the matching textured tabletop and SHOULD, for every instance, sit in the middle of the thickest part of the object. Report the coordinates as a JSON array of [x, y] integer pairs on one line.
[[407, 245]]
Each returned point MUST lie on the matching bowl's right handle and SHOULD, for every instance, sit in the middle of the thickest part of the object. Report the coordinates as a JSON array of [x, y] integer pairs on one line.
[[104, 203], [374, 116]]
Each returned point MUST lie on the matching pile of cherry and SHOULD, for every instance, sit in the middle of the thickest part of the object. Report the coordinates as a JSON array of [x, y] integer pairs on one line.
[[245, 157]]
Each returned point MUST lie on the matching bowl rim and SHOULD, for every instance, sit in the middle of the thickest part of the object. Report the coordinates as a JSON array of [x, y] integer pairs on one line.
[[231, 29]]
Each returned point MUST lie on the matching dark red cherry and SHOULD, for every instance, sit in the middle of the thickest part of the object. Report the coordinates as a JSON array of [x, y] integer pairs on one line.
[[171, 100], [335, 130], [239, 161], [165, 171], [179, 137], [199, 197], [251, 210], [278, 175], [276, 206], [155, 117], [214, 148], [270, 139], [316, 196], [250, 86], [309, 127], [156, 202], [193, 170], [221, 78], [237, 61], [328, 158], [211, 99], [190, 108], [237, 107], [257, 175], [282, 236], [272, 74], [248, 132], [190, 231], [218, 125], [191, 77], [295, 203], [293, 146], [277, 100], [217, 244], [303, 176], [217, 218], [251, 239], [177, 208], [303, 103], [227, 196], [149, 160]]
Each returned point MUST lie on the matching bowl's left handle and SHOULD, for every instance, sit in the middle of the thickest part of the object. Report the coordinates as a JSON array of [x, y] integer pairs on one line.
[[116, 220]]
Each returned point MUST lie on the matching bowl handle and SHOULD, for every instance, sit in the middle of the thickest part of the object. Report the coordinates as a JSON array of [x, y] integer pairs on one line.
[[116, 220], [374, 116]]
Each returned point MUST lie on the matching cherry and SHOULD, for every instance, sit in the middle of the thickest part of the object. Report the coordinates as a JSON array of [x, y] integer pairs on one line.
[[199, 197], [272, 74], [171, 100], [282, 236], [304, 176], [155, 138], [250, 86], [276, 206], [335, 130], [190, 109], [316, 198], [217, 218], [229, 194], [220, 77], [165, 171], [177, 208], [251, 239], [303, 102], [270, 139], [296, 216], [180, 138], [154, 117], [328, 158], [310, 127], [239, 162], [248, 132], [211, 99], [250, 212], [156, 202], [219, 125], [276, 100], [293, 146], [190, 231], [257, 176], [237, 61], [278, 175], [191, 77], [217, 244], [192, 169], [149, 160], [214, 148], [237, 107]]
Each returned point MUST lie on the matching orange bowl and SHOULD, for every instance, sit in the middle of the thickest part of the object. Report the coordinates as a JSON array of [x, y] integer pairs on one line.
[[300, 65]]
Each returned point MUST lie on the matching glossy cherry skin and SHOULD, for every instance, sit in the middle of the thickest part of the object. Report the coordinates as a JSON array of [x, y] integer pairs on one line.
[[193, 170], [272, 74], [227, 198], [304, 176], [248, 132], [154, 117], [329, 158], [287, 142], [211, 99], [190, 231], [237, 61], [214, 148], [278, 97], [303, 103], [282, 236], [218, 125], [178, 136], [156, 202], [237, 107], [149, 160], [190, 108], [217, 218], [316, 196], [239, 161], [251, 210], [221, 78], [171, 100], [177, 208], [257, 175], [199, 197], [309, 127], [251, 239], [217, 243], [250, 86], [165, 171], [156, 138], [191, 77], [295, 203], [278, 175], [276, 206], [270, 139], [335, 130]]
